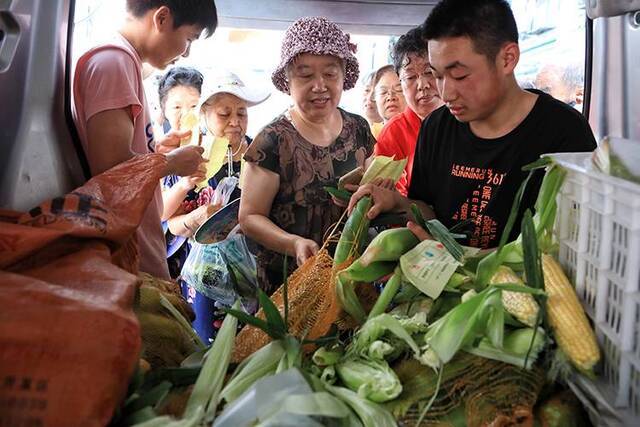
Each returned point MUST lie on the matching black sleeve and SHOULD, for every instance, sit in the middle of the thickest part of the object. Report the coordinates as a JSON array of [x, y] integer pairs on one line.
[[577, 135], [418, 187]]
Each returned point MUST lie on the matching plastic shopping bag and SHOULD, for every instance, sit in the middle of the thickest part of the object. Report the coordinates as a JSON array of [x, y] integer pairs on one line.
[[224, 189], [223, 271]]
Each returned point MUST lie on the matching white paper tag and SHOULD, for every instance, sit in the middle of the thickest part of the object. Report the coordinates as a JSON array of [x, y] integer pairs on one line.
[[429, 266]]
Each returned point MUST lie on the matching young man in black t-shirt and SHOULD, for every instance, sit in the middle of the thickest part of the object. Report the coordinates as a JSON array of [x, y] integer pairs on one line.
[[470, 152]]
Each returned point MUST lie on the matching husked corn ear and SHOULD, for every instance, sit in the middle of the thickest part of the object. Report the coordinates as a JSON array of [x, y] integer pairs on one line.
[[520, 305], [567, 318]]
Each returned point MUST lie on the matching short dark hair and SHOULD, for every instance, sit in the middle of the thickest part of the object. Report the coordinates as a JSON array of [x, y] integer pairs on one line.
[[178, 76], [488, 23], [410, 43], [201, 13]]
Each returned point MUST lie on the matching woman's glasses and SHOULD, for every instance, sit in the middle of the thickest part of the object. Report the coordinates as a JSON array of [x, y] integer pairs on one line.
[[411, 78], [384, 91]]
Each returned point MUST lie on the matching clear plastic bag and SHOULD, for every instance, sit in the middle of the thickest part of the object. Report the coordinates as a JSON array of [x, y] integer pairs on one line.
[[223, 271], [224, 189]]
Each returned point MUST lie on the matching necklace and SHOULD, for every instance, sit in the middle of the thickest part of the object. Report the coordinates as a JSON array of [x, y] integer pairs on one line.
[[233, 154]]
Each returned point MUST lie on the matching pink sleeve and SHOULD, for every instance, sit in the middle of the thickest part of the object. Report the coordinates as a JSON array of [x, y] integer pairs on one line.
[[109, 80]]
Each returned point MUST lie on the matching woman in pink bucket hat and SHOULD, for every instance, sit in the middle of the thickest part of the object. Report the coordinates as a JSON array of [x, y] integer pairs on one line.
[[284, 206]]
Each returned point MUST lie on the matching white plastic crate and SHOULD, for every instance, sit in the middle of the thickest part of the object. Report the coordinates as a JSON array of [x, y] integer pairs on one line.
[[598, 230]]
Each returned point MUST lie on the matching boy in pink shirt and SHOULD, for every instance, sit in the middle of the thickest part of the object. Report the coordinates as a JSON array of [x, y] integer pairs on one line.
[[110, 110]]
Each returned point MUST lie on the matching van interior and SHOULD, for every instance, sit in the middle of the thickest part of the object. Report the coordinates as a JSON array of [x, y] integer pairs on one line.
[[40, 153]]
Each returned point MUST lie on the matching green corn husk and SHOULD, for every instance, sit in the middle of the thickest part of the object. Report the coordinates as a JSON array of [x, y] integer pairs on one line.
[[388, 245], [384, 167], [349, 246], [207, 388], [325, 357], [379, 350], [374, 329], [339, 193], [356, 272], [290, 398], [370, 413], [388, 293], [182, 321], [515, 347], [370, 378], [262, 363], [546, 209], [483, 315], [204, 398], [353, 233]]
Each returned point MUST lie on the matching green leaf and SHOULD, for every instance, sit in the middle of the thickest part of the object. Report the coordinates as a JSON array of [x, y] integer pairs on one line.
[[339, 194], [352, 232], [150, 398], [417, 216], [495, 326], [542, 162], [374, 328], [441, 234], [512, 287], [489, 264], [532, 262], [433, 397], [177, 376], [320, 404], [249, 320], [271, 313], [143, 415], [166, 304]]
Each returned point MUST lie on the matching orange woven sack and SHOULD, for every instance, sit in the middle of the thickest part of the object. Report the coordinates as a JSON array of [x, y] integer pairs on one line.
[[69, 340]]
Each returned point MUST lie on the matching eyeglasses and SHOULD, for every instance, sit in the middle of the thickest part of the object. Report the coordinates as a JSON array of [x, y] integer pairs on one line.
[[384, 91], [411, 79]]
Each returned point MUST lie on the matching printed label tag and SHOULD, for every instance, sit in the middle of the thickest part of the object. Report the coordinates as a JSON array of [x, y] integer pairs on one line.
[[429, 266]]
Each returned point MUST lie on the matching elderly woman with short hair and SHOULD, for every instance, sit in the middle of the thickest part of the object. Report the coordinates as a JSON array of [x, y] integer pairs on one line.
[[387, 93], [284, 206]]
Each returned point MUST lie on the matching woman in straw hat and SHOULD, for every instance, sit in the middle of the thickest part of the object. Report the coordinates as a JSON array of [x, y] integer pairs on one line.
[[223, 113], [284, 206]]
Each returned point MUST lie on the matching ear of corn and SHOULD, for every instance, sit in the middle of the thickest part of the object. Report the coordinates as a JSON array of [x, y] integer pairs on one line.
[[567, 318], [520, 305], [389, 245]]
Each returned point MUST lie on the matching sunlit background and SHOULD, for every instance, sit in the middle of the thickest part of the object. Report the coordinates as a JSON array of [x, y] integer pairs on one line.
[[253, 54]]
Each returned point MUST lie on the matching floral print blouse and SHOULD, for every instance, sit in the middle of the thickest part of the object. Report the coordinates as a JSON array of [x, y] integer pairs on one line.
[[302, 206]]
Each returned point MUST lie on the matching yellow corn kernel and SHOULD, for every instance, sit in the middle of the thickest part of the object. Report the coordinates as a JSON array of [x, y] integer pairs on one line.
[[567, 318], [520, 305]]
